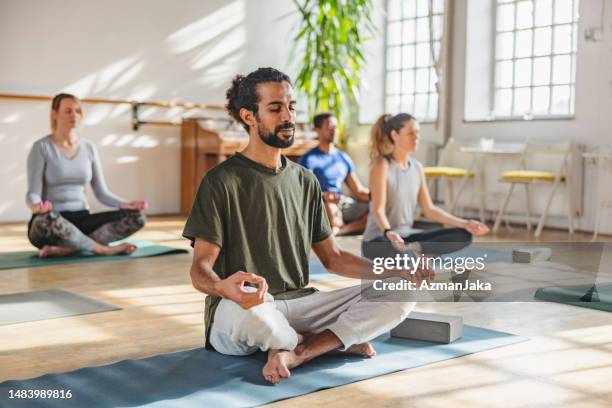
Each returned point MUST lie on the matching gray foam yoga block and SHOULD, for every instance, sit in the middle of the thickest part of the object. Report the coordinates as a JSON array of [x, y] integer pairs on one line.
[[430, 327]]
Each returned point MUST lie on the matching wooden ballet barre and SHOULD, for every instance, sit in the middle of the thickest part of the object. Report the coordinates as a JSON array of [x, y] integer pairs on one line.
[[136, 105], [159, 104]]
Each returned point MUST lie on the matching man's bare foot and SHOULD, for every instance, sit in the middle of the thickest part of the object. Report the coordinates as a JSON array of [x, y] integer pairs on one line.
[[362, 349], [278, 365], [49, 251], [121, 249]]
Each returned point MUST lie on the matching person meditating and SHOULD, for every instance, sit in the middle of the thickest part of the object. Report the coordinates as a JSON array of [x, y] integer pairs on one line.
[[397, 185], [333, 167], [254, 220], [59, 167]]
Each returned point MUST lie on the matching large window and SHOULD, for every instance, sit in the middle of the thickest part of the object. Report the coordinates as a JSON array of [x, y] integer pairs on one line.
[[535, 58], [414, 33]]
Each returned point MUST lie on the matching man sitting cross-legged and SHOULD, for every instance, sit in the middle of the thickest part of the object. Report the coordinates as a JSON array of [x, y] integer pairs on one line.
[[253, 223], [333, 168]]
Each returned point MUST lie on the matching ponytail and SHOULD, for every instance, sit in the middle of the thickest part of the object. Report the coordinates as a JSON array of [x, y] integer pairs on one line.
[[381, 143]]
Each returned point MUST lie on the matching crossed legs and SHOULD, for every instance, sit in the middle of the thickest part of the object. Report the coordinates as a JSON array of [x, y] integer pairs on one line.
[[296, 331]]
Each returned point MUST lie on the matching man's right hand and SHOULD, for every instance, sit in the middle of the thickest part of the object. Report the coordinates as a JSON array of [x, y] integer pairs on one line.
[[232, 288], [42, 207]]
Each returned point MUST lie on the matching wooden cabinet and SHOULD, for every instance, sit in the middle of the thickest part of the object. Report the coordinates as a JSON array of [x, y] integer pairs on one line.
[[203, 146]]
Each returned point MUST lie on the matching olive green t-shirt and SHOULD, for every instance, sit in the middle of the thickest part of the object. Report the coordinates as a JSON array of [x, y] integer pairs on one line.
[[264, 220]]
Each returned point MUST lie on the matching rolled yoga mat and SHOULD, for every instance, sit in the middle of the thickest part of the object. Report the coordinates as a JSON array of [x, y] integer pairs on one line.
[[30, 259], [591, 296], [202, 378], [47, 304]]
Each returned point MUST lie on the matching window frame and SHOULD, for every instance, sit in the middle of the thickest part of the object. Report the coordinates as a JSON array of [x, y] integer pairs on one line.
[[573, 54]]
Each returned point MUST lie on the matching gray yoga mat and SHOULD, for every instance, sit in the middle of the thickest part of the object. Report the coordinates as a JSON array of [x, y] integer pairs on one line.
[[201, 378], [47, 304], [29, 259]]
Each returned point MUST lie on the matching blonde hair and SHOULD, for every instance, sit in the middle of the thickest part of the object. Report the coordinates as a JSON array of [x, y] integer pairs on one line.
[[381, 143], [55, 105]]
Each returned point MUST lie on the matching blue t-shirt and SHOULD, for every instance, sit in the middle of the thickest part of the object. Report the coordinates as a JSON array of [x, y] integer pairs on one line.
[[330, 169]]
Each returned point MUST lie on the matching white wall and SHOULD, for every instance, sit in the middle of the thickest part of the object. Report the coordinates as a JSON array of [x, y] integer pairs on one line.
[[137, 49]]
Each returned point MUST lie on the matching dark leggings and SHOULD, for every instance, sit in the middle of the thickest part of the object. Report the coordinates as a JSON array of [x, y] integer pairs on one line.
[[80, 229], [433, 242]]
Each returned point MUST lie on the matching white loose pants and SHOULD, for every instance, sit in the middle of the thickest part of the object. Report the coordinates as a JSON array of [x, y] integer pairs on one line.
[[352, 316]]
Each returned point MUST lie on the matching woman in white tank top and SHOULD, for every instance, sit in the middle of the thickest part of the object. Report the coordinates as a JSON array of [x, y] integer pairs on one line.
[[397, 186]]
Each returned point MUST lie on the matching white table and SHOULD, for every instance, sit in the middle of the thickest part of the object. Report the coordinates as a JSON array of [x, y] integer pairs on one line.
[[603, 163], [477, 165]]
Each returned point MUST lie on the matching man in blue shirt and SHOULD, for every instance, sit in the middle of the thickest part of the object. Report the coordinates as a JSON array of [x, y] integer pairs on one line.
[[333, 167]]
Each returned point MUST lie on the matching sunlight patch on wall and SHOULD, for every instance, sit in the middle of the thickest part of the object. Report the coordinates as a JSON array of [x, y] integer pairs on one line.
[[109, 139], [208, 28], [145, 141], [12, 118], [126, 159]]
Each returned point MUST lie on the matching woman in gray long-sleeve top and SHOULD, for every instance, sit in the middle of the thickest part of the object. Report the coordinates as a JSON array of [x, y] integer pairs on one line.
[[59, 166]]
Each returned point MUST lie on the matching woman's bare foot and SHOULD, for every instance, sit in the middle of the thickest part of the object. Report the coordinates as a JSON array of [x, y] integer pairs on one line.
[[49, 251], [121, 249], [278, 365]]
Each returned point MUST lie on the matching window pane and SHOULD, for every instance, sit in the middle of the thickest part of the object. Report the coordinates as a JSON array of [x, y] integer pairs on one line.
[[560, 100], [392, 105], [423, 29], [422, 7], [433, 106], [562, 66], [523, 43], [408, 81], [420, 106], [563, 39], [522, 101], [433, 78], [563, 11], [522, 72], [541, 71], [407, 104], [504, 46], [524, 14], [575, 39], [503, 74], [503, 102], [394, 9], [394, 32], [543, 12], [393, 82], [438, 25], [438, 6], [409, 8], [542, 41], [423, 58], [541, 98], [408, 56], [393, 57], [505, 17], [436, 47], [422, 80], [408, 31]]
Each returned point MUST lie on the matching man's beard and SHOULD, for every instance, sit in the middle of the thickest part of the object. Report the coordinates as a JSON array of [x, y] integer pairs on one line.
[[273, 139]]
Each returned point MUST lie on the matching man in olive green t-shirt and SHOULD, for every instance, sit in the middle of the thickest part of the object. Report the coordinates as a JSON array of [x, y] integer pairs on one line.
[[253, 222]]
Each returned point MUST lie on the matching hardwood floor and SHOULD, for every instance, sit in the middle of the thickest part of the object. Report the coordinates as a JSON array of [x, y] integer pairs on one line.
[[566, 362]]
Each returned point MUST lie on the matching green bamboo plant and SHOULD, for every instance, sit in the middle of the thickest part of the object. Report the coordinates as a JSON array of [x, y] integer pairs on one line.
[[330, 38]]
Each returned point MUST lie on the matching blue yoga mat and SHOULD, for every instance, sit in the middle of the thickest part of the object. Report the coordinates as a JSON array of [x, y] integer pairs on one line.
[[317, 271], [201, 378], [29, 259]]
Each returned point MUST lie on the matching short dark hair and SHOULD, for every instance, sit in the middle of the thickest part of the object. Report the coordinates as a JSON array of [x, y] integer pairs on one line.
[[320, 118], [243, 91]]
